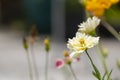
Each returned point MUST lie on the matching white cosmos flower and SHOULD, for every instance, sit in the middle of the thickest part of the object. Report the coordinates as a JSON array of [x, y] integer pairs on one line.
[[80, 43], [89, 26]]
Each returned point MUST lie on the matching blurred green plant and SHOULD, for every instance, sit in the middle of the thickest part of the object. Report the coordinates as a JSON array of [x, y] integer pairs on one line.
[[113, 15]]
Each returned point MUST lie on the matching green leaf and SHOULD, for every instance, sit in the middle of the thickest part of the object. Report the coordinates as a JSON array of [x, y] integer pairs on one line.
[[94, 74], [109, 75], [97, 72], [103, 78]]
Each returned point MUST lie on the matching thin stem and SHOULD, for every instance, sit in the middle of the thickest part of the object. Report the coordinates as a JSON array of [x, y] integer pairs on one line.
[[110, 29], [34, 62], [29, 65], [105, 66], [46, 66], [75, 78], [94, 67], [103, 59], [89, 58]]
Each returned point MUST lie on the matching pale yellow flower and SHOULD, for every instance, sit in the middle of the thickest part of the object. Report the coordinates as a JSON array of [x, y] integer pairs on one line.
[[80, 43], [89, 26]]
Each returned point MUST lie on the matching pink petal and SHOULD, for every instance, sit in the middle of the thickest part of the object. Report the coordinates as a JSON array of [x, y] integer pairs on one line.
[[59, 63], [76, 59]]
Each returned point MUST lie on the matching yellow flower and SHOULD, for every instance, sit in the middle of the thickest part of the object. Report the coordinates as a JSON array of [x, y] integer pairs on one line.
[[80, 43], [97, 7], [89, 26], [114, 1]]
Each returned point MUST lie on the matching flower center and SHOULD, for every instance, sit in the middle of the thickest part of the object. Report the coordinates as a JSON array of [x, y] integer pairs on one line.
[[82, 41]]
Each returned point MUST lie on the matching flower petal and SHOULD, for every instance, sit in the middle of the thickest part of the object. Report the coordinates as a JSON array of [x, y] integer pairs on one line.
[[75, 55], [59, 63]]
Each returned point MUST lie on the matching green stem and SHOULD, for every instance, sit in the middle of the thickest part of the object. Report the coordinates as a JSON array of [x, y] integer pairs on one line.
[[46, 66], [105, 66], [29, 65], [110, 29], [89, 58], [103, 59], [98, 76], [75, 78], [34, 62]]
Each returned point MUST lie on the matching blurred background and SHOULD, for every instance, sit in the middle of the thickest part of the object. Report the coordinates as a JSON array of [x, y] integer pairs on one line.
[[58, 19]]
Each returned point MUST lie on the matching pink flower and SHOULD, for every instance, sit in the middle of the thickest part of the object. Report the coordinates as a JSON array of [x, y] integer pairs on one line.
[[59, 63]]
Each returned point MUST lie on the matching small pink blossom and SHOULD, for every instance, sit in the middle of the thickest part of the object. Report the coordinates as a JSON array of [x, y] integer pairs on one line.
[[59, 63]]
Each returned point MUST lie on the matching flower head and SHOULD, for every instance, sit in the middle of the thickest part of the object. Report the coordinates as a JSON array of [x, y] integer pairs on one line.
[[80, 43], [89, 26], [97, 7]]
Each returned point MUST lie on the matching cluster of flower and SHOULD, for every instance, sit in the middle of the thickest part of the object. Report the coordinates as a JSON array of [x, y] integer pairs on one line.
[[84, 39]]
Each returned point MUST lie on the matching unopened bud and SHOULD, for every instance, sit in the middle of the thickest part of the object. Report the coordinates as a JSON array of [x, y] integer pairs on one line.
[[33, 34], [33, 31], [47, 44], [105, 52], [25, 44], [66, 54]]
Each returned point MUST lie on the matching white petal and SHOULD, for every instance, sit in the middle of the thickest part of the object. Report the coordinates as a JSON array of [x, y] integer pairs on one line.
[[75, 55]]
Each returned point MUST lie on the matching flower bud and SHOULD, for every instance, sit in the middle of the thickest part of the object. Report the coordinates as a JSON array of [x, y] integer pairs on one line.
[[47, 44], [66, 54], [33, 31], [105, 52], [25, 44], [33, 34]]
